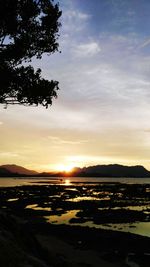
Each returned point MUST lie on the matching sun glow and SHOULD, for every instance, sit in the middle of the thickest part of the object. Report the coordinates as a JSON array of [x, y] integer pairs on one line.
[[67, 182], [64, 168]]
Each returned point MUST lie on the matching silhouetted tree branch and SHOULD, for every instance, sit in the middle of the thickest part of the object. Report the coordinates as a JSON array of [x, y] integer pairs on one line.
[[28, 28]]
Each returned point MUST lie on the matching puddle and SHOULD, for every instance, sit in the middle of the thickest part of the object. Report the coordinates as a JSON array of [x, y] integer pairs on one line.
[[12, 199], [70, 189], [140, 228], [36, 207], [88, 198], [61, 219]]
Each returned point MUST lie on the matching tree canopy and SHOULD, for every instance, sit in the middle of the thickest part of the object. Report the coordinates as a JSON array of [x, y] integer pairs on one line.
[[28, 28]]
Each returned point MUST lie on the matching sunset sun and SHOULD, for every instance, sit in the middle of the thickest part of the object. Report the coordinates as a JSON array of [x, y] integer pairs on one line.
[[64, 168]]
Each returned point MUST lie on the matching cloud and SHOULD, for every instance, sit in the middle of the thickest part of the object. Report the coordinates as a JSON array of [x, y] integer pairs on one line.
[[146, 43], [74, 25], [147, 130], [97, 95], [8, 154], [86, 160], [60, 141], [87, 49], [74, 21], [75, 14], [1, 122]]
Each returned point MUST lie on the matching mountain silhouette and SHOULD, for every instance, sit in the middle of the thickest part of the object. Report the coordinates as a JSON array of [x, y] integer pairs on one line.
[[4, 172], [12, 168], [112, 170]]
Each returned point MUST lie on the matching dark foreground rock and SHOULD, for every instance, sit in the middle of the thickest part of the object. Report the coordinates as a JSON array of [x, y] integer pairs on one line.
[[18, 246], [29, 243]]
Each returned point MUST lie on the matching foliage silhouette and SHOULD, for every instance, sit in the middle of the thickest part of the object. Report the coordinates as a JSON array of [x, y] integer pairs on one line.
[[28, 28]]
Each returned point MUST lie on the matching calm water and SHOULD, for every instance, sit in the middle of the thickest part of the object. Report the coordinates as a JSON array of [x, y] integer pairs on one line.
[[142, 228], [7, 181]]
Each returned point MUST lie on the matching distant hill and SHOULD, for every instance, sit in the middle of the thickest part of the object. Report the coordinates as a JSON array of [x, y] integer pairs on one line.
[[112, 170], [4, 172], [15, 169]]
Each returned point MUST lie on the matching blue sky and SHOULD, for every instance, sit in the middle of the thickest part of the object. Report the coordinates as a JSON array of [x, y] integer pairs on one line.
[[102, 113]]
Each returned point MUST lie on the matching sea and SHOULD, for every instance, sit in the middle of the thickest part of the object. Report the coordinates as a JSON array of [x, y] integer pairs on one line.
[[9, 181], [141, 228]]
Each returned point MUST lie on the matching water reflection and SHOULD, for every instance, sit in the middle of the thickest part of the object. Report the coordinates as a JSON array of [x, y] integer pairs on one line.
[[67, 182], [36, 207], [63, 218], [84, 198], [12, 199], [122, 207], [141, 228]]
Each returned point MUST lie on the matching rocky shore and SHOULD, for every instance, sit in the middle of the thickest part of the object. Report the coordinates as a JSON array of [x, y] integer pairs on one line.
[[38, 244], [27, 239]]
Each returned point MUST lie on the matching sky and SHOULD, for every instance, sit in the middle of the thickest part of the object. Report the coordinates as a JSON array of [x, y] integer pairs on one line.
[[102, 113]]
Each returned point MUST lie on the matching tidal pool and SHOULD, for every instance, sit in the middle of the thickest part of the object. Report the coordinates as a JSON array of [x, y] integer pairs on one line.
[[36, 207], [62, 219], [141, 228], [121, 207]]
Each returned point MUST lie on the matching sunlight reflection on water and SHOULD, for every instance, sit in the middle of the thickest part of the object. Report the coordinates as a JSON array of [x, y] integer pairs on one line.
[[86, 198], [68, 193], [61, 219], [141, 228], [12, 199], [67, 182], [36, 207]]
